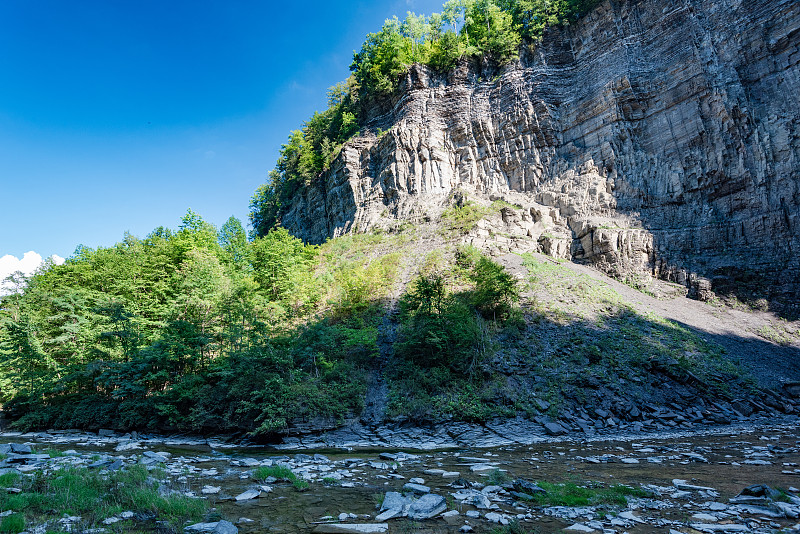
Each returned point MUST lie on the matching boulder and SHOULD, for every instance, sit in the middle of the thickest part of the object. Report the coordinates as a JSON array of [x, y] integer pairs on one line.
[[248, 495], [525, 486], [357, 528], [427, 506], [416, 488], [20, 448], [554, 429], [225, 527]]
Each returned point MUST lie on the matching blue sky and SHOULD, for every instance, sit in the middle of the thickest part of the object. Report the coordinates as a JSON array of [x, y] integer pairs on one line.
[[118, 115]]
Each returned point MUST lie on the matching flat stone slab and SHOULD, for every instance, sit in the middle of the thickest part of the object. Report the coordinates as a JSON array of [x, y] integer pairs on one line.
[[703, 527], [248, 495], [427, 506], [359, 528], [416, 488]]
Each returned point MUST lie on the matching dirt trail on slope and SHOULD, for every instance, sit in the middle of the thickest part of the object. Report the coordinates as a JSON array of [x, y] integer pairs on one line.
[[772, 364], [377, 397]]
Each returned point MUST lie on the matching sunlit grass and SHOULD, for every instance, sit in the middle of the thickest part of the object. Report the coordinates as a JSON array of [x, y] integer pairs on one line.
[[92, 495]]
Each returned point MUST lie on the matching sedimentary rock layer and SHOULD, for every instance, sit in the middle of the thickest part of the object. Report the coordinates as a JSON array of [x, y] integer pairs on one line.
[[651, 137]]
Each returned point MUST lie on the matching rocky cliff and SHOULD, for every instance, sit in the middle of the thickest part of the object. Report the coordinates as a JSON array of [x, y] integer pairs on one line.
[[651, 138]]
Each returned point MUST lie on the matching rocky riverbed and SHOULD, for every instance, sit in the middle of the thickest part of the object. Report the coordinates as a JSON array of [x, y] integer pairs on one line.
[[729, 480]]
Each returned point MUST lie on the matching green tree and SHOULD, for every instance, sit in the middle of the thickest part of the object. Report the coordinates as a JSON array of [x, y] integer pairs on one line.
[[203, 285], [492, 31], [282, 268], [233, 240], [383, 57]]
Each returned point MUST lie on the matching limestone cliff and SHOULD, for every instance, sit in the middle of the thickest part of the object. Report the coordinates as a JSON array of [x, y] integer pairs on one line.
[[651, 137]]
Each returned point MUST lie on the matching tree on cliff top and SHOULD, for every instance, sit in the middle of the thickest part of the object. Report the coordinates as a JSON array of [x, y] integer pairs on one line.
[[492, 30]]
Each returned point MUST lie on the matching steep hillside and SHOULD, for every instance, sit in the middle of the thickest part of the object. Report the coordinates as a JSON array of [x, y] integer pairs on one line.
[[650, 138]]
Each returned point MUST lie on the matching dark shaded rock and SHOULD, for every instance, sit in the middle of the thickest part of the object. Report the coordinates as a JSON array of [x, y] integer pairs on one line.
[[20, 448], [225, 527], [554, 429], [416, 488], [760, 490], [742, 406], [526, 486]]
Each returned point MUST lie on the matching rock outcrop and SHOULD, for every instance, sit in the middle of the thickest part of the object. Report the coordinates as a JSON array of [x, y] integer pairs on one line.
[[651, 137]]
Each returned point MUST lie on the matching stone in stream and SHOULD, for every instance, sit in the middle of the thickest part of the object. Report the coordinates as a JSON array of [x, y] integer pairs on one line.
[[394, 505], [158, 457], [379, 465], [789, 510], [248, 495], [707, 518], [685, 486], [630, 517], [357, 528], [225, 527], [116, 465], [416, 488], [554, 429], [394, 499], [20, 448], [760, 490], [427, 506], [201, 527], [706, 527], [482, 467], [579, 527], [525, 486], [128, 446], [217, 527], [389, 514], [210, 490], [494, 517]]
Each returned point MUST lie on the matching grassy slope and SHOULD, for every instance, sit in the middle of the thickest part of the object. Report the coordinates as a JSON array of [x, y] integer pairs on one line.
[[572, 346]]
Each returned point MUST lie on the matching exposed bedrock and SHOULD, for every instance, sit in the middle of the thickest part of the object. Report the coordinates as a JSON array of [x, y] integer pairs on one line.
[[652, 137]]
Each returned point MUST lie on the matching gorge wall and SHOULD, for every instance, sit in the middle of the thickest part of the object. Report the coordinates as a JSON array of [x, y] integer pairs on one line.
[[651, 137]]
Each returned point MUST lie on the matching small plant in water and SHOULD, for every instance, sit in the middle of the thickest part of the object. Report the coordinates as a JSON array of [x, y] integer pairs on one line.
[[498, 478], [514, 528], [300, 484], [280, 472]]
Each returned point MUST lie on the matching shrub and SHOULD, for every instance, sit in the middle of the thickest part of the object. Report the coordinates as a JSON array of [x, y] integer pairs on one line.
[[439, 329], [495, 289]]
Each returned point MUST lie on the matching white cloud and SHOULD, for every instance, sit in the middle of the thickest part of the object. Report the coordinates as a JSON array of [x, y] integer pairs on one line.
[[27, 265]]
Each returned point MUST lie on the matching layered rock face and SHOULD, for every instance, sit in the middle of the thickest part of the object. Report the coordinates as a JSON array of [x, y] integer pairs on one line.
[[651, 137]]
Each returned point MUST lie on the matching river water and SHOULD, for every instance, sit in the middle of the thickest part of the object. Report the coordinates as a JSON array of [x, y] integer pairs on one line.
[[691, 479]]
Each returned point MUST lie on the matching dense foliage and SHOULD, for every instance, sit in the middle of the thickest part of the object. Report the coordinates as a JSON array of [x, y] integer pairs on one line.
[[489, 30], [195, 329]]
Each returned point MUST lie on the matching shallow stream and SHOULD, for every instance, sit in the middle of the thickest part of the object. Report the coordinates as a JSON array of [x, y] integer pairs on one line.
[[354, 482]]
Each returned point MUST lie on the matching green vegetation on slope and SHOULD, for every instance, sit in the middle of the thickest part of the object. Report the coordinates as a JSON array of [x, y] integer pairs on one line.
[[195, 330], [206, 331], [489, 30]]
